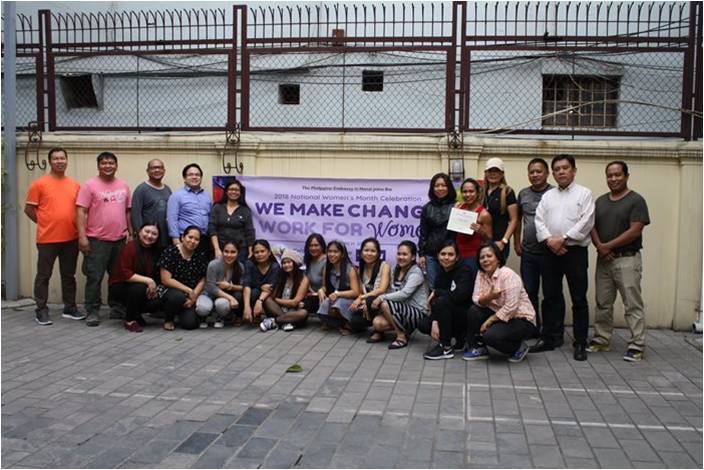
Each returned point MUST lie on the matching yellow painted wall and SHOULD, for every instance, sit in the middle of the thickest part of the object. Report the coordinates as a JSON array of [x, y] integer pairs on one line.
[[667, 173]]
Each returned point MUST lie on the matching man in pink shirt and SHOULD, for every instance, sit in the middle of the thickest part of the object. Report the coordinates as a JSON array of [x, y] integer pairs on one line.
[[103, 219]]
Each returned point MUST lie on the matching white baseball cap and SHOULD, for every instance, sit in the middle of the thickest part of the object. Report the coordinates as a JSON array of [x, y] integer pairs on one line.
[[494, 163]]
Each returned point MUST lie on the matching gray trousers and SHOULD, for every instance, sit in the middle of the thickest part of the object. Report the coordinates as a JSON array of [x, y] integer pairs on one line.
[[67, 252], [101, 258], [621, 275]]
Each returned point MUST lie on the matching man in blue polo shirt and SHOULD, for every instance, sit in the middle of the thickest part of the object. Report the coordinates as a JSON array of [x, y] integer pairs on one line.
[[189, 205]]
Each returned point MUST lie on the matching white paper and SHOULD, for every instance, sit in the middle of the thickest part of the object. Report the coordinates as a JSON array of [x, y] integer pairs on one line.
[[461, 220]]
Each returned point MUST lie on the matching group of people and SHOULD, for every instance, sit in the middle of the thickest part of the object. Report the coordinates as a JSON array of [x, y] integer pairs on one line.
[[201, 264]]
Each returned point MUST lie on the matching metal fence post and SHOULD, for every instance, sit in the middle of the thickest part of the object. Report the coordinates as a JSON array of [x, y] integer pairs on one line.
[[698, 75], [687, 75], [51, 75], [244, 79]]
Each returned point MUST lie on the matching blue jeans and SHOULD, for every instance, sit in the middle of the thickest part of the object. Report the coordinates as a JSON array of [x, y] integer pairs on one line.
[[432, 269], [531, 265]]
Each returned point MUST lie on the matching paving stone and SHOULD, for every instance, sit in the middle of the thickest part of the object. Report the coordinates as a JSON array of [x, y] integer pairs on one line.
[[677, 460], [110, 458], [546, 456], [449, 440], [576, 447], [214, 457], [512, 443], [236, 435], [218, 423], [639, 450], [445, 459], [254, 416], [573, 462], [612, 458], [256, 448], [196, 443], [153, 451]]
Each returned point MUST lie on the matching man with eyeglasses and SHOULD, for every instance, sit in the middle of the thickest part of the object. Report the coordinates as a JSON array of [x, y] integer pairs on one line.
[[189, 205], [149, 201]]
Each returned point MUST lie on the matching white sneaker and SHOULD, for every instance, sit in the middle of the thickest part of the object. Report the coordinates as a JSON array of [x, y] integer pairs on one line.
[[219, 324], [267, 324], [287, 327], [203, 324]]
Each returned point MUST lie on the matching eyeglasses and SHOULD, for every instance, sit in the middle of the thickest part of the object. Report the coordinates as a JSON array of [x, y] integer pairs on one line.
[[156, 168]]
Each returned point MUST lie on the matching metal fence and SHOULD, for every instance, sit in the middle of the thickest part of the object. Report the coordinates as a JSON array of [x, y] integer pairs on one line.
[[582, 68]]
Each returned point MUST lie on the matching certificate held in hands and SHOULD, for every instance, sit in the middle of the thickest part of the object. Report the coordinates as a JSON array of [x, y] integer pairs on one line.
[[461, 220]]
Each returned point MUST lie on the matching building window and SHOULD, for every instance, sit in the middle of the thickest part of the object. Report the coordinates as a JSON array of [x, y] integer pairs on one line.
[[372, 80], [79, 91], [290, 93], [565, 91]]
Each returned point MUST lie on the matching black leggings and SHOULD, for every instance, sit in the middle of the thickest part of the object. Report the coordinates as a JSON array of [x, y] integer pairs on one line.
[[134, 296], [452, 320], [173, 305], [505, 337]]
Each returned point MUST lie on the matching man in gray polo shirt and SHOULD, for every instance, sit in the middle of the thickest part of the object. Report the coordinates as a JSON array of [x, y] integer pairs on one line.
[[620, 216]]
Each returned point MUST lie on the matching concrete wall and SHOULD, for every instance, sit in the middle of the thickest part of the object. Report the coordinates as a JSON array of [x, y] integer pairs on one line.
[[667, 173]]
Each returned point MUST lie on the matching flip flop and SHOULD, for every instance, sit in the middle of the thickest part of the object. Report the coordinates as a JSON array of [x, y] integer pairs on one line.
[[345, 332], [398, 344], [168, 326], [375, 338]]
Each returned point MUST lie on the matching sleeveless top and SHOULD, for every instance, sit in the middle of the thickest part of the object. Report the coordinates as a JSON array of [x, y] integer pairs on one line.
[[469, 244]]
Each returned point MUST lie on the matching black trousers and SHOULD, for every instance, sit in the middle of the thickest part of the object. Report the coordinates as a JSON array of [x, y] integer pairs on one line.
[[173, 301], [452, 320], [133, 295], [358, 322], [573, 266], [505, 337]]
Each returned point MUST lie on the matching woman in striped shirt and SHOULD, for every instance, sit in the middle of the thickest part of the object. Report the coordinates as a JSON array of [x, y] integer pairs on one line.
[[502, 316]]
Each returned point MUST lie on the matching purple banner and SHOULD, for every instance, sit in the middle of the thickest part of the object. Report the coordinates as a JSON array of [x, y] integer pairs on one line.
[[287, 210]]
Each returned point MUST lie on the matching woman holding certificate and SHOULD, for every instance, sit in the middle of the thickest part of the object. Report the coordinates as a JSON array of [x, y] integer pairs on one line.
[[467, 243]]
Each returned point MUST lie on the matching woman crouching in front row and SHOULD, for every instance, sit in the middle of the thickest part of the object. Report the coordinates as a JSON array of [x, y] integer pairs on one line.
[[284, 307], [406, 306], [502, 316]]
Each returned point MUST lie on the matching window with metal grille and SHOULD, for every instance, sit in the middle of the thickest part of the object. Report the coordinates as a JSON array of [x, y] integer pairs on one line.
[[595, 98], [290, 93], [79, 92], [372, 80]]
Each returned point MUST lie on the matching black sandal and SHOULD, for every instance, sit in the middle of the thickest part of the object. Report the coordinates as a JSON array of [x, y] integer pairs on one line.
[[376, 337], [398, 344]]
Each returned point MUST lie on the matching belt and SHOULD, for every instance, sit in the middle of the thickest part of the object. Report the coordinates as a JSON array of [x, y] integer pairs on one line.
[[623, 254]]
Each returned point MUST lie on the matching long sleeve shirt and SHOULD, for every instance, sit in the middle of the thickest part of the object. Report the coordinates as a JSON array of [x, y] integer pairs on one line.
[[413, 289], [216, 273], [513, 302], [188, 207], [237, 226], [568, 211]]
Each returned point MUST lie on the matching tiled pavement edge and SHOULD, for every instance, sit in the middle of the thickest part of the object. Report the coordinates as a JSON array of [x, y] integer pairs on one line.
[[74, 396]]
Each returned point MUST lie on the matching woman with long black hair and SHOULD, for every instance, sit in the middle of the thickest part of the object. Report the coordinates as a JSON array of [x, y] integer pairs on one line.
[[261, 275], [433, 223], [223, 287], [314, 259], [231, 219], [284, 307], [406, 305], [375, 277], [340, 288]]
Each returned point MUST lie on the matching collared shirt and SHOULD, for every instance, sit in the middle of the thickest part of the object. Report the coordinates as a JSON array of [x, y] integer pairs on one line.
[[568, 211], [513, 302], [188, 207]]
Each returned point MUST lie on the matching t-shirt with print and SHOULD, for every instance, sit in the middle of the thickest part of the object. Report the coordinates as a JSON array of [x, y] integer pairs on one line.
[[55, 201], [107, 204]]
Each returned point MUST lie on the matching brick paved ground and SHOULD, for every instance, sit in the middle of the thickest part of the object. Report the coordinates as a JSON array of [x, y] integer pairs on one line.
[[74, 396]]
